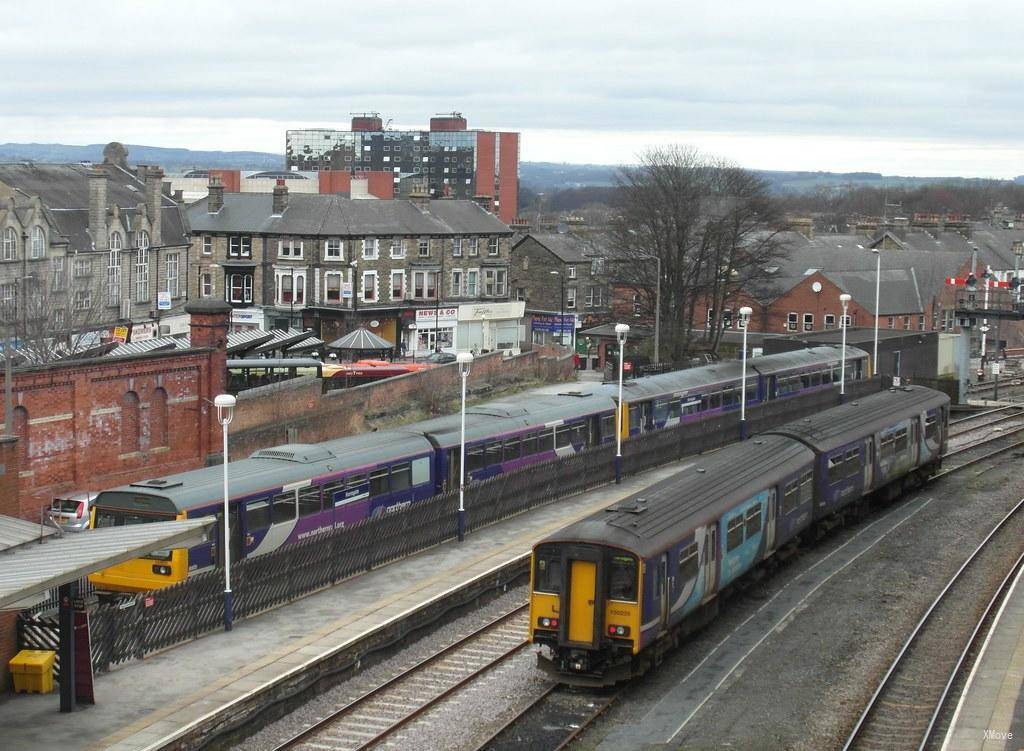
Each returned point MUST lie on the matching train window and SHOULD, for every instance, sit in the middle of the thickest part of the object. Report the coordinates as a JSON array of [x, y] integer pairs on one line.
[[530, 444], [852, 462], [753, 521], [608, 426], [835, 468], [734, 537], [885, 446], [401, 476], [691, 407], [257, 515], [511, 449], [547, 571], [806, 486], [309, 500], [475, 458], [791, 496], [661, 410], [284, 507], [562, 436], [546, 440], [688, 565], [901, 441], [675, 408], [330, 488], [378, 482], [579, 434], [354, 481], [805, 380], [730, 397], [622, 578], [931, 427], [634, 416]]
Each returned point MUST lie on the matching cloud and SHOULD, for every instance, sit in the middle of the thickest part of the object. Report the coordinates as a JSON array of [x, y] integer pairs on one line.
[[835, 78]]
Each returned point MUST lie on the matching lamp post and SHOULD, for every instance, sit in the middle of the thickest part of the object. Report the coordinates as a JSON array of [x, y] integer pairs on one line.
[[465, 361], [745, 313], [561, 306], [878, 284], [621, 332], [845, 300], [225, 404]]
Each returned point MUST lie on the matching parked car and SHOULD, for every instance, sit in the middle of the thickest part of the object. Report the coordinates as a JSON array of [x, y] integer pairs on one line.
[[71, 512], [440, 358]]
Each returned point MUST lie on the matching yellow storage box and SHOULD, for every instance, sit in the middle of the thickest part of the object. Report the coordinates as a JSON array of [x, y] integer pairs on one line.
[[32, 670]]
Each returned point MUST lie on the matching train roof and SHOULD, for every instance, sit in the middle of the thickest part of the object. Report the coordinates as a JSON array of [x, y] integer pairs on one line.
[[649, 387], [653, 519], [268, 468], [537, 408], [836, 427]]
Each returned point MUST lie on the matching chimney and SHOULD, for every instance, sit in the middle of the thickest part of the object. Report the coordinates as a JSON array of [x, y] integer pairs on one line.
[[98, 208], [280, 197], [419, 196], [215, 201], [358, 188], [154, 202]]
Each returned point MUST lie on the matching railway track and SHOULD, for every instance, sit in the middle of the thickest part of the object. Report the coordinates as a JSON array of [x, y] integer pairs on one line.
[[981, 450], [377, 714], [909, 707], [551, 721], [982, 419]]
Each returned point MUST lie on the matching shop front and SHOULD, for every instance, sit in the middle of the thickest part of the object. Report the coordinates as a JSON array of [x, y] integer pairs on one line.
[[433, 330], [485, 327]]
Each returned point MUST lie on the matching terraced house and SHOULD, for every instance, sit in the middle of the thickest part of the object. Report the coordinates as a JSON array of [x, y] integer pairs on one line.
[[330, 263]]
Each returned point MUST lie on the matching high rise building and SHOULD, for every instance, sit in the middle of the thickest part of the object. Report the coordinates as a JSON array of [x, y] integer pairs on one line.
[[449, 159]]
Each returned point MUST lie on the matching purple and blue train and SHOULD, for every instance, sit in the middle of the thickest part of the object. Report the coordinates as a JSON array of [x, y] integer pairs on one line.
[[612, 592], [289, 493]]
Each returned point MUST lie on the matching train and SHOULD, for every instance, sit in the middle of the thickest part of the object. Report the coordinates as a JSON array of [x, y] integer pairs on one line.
[[611, 593], [286, 494]]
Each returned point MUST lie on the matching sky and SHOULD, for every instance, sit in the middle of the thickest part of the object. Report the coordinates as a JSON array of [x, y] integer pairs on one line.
[[902, 88]]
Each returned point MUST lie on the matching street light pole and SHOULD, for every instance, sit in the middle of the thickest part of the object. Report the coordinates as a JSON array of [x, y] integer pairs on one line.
[[845, 300], [745, 313], [878, 284], [225, 404], [465, 361], [621, 332]]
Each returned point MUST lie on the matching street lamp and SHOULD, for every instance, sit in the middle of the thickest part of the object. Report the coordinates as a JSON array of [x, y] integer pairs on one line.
[[878, 284], [561, 306], [845, 300], [621, 332], [465, 361], [225, 404], [745, 313]]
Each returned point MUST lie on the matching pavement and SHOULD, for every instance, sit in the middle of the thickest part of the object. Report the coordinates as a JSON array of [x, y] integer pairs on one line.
[[990, 714], [146, 704]]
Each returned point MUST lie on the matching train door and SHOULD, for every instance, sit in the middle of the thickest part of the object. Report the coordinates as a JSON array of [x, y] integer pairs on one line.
[[710, 558], [235, 536], [647, 417], [665, 588], [772, 515], [869, 462], [582, 596]]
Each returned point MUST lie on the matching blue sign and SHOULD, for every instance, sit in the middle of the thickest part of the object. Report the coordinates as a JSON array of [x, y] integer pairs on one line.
[[551, 323]]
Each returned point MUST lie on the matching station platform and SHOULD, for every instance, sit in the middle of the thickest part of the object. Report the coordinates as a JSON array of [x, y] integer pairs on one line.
[[990, 714], [156, 702]]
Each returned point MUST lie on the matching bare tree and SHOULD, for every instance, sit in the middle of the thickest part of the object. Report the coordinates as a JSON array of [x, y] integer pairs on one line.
[[713, 226]]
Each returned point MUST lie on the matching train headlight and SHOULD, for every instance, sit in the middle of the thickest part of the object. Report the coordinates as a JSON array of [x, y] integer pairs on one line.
[[618, 631], [547, 622], [161, 570]]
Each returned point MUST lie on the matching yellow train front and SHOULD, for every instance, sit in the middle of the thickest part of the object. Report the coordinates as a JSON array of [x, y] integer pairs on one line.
[[585, 610]]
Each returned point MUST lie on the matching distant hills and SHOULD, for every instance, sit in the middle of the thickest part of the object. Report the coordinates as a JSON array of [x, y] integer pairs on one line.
[[534, 176]]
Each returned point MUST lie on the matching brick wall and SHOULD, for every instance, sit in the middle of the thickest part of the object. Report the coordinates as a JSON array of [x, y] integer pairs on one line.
[[8, 645], [9, 481], [265, 416]]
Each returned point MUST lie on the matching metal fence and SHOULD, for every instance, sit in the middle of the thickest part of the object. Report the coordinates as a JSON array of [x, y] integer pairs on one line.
[[142, 624]]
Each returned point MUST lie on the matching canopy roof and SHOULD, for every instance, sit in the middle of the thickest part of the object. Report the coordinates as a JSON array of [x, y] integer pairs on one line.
[[361, 339]]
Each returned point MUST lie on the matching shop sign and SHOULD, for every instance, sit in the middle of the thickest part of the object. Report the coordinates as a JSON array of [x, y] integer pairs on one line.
[[428, 316], [121, 334]]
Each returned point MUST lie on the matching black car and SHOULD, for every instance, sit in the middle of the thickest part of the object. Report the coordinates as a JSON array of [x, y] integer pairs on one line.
[[440, 358]]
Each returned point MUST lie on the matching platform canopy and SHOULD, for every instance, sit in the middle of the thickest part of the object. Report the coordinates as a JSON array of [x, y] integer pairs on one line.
[[361, 339], [41, 564]]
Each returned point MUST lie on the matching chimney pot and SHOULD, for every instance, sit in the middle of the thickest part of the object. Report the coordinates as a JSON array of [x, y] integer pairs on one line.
[[215, 200], [280, 197]]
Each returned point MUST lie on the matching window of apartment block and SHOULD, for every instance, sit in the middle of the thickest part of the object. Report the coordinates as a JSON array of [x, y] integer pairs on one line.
[[570, 271], [206, 284], [906, 323], [920, 322], [291, 286], [636, 306], [847, 321], [570, 298], [424, 247], [240, 246], [456, 247], [82, 267], [521, 294], [59, 274], [333, 250], [791, 321], [456, 288], [207, 245], [808, 321], [10, 244], [114, 276], [472, 277], [397, 285], [239, 288], [369, 291], [332, 286], [38, 243], [830, 320], [494, 282], [492, 246], [371, 249], [289, 248], [590, 297], [173, 288], [892, 322], [142, 275], [474, 246], [397, 248]]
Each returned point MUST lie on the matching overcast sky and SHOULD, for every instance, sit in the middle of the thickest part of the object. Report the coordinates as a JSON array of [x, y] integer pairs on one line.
[[907, 87]]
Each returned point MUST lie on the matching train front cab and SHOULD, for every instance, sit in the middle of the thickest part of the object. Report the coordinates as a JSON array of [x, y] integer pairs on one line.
[[585, 611]]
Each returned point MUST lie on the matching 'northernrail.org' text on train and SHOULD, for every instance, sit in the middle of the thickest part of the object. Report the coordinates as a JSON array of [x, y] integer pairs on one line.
[[612, 592], [282, 495]]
